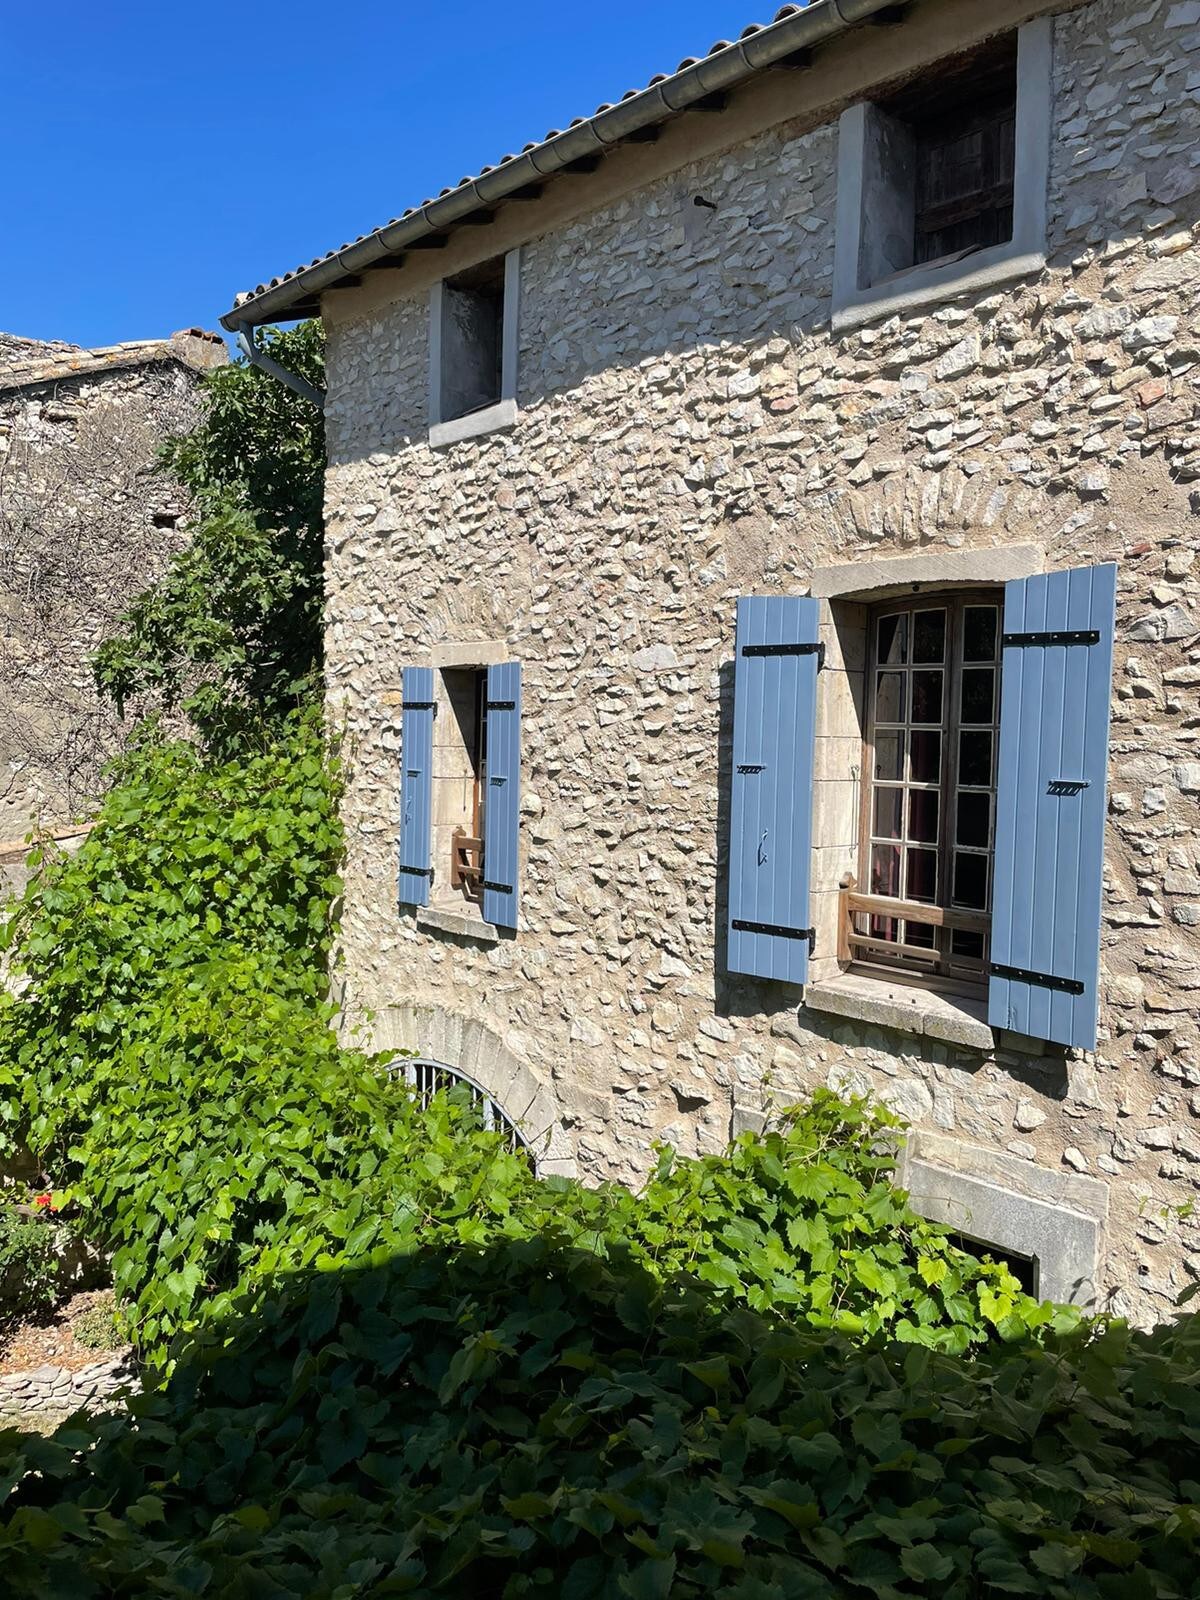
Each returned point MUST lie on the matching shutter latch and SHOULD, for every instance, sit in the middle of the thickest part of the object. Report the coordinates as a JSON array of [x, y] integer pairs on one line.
[[1044, 980], [778, 931], [814, 648], [1061, 636]]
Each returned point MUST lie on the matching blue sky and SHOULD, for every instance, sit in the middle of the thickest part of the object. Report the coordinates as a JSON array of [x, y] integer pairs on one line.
[[163, 156]]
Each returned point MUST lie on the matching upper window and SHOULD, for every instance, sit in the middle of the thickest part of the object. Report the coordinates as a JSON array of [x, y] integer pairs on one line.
[[473, 350], [929, 803], [962, 147], [942, 185]]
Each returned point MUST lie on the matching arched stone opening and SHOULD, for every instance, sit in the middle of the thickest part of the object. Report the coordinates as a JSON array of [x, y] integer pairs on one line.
[[471, 1051]]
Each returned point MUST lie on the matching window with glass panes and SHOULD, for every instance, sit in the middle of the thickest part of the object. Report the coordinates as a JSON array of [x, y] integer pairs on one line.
[[929, 795]]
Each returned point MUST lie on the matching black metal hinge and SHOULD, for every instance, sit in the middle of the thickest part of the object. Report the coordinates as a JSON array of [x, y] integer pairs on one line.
[[1061, 636], [498, 888], [817, 648], [778, 931], [418, 872], [419, 705], [1044, 980], [501, 705]]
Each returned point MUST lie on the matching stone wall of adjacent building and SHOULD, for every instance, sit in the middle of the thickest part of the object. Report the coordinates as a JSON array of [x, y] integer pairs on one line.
[[690, 430], [86, 523]]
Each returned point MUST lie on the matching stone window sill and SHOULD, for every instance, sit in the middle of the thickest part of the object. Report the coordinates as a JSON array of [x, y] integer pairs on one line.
[[463, 924], [502, 415], [922, 286], [954, 1019]]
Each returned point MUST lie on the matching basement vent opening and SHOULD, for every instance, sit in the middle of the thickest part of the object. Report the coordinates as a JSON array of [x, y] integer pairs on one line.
[[1023, 1268]]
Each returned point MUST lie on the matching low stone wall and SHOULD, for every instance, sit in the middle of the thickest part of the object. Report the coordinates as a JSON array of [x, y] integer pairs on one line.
[[45, 1396]]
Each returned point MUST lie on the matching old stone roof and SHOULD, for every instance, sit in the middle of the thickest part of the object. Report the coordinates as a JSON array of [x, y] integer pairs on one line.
[[697, 82], [27, 363]]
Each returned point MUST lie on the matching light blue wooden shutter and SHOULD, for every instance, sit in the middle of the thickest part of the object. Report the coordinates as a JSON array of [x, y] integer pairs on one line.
[[770, 814], [1050, 804], [416, 784], [501, 812]]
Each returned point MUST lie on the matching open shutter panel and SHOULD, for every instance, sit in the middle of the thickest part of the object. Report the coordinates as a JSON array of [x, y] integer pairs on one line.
[[501, 806], [1056, 685], [770, 821], [416, 788]]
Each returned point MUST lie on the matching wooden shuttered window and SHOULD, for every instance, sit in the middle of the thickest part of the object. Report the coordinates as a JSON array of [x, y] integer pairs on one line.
[[416, 785], [770, 831], [962, 123], [1050, 804], [965, 182], [502, 804]]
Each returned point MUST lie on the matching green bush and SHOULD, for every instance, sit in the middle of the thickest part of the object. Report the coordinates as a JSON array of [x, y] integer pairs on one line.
[[171, 1064], [29, 1267], [101, 1326], [529, 1419], [386, 1358], [231, 632]]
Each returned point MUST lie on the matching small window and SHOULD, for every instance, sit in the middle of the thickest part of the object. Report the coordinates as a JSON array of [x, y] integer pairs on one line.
[[473, 348], [942, 184], [929, 799], [460, 786], [963, 151]]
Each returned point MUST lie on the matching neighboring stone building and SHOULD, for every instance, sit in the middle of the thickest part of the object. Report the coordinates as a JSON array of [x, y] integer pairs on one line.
[[873, 320], [85, 525]]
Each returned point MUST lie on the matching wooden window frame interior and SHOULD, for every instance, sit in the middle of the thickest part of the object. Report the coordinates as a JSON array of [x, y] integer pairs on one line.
[[468, 851], [954, 601]]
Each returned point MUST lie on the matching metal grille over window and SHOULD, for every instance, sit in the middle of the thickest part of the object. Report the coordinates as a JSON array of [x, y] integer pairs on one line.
[[929, 802], [427, 1078]]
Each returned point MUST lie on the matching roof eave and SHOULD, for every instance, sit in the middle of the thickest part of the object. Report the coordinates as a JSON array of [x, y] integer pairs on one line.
[[725, 68]]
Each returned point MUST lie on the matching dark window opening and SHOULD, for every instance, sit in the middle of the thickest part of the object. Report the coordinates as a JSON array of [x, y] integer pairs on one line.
[[462, 781], [1023, 1268], [963, 126], [166, 519], [472, 344]]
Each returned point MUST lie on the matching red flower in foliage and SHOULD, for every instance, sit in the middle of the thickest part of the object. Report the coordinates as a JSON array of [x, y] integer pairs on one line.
[[46, 1201]]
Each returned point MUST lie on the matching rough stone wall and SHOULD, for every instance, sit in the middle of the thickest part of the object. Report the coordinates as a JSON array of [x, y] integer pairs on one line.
[[691, 430], [86, 523]]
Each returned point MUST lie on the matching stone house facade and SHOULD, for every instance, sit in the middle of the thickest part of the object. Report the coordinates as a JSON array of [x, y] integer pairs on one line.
[[858, 356], [85, 525]]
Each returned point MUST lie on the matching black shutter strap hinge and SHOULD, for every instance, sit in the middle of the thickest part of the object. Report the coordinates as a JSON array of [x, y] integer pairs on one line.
[[419, 705], [778, 931], [418, 872], [500, 705], [1043, 980], [1061, 636], [498, 888], [816, 648]]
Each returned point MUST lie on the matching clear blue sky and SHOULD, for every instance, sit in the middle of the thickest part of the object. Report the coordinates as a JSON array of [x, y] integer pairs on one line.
[[163, 156]]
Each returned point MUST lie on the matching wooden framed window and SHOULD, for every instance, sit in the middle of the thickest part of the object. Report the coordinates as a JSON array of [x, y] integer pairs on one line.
[[929, 793]]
